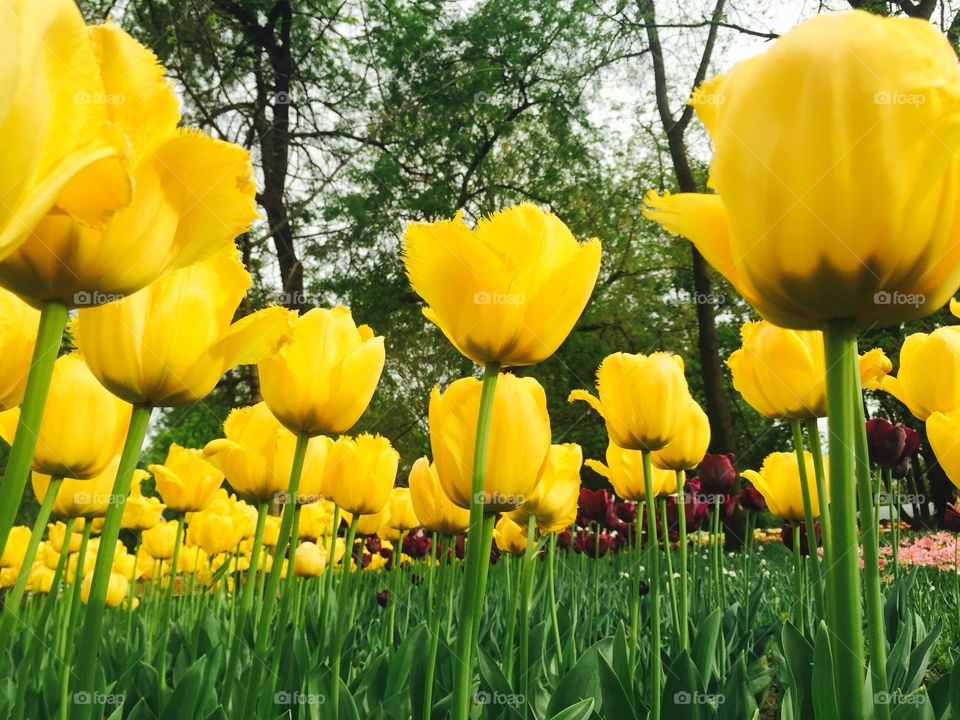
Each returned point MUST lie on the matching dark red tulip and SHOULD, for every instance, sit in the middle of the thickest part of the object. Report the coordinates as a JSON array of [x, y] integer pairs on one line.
[[383, 598], [751, 499], [626, 511], [902, 468], [564, 540], [786, 533], [886, 442], [596, 506], [373, 544], [951, 518], [718, 473]]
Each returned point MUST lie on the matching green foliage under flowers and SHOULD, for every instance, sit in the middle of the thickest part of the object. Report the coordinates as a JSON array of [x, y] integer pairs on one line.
[[747, 659]]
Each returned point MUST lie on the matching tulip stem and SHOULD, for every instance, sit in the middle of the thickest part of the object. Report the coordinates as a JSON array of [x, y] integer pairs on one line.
[[11, 603], [682, 518], [477, 554], [551, 588], [526, 583], [869, 534], [69, 625], [656, 671], [168, 602], [844, 618], [823, 494], [273, 579], [636, 553], [246, 602], [394, 593], [53, 318], [433, 604], [668, 553], [90, 638], [813, 558], [342, 616], [798, 574]]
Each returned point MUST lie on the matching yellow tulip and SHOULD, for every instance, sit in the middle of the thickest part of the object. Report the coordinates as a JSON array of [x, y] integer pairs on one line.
[[943, 431], [56, 137], [435, 511], [213, 532], [56, 536], [82, 498], [170, 343], [403, 518], [642, 398], [83, 428], [117, 589], [554, 502], [509, 291], [186, 481], [313, 477], [322, 380], [510, 537], [517, 445], [689, 445], [18, 335], [40, 578], [624, 470], [874, 367], [928, 380], [192, 194], [16, 547], [161, 540], [316, 519], [835, 164], [781, 373], [309, 560], [361, 473], [368, 525], [779, 483], [271, 531], [141, 512], [256, 454]]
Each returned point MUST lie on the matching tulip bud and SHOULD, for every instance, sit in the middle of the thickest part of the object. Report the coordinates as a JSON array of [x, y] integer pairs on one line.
[[786, 535], [718, 474], [885, 442]]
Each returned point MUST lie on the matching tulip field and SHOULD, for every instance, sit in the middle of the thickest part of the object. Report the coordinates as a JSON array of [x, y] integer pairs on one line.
[[216, 505]]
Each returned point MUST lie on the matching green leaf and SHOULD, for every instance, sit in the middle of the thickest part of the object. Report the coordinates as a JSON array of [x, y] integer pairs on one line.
[[683, 694], [580, 711], [704, 652], [824, 693], [183, 702], [616, 701]]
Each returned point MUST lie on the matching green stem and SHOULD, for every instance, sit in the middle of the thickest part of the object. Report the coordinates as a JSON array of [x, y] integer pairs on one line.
[[513, 592], [11, 603], [844, 618], [246, 602], [394, 586], [812, 556], [798, 576], [72, 614], [823, 493], [478, 555], [168, 602], [551, 588], [636, 554], [668, 554], [526, 585], [434, 605], [342, 617], [90, 638], [869, 534], [656, 670], [265, 621], [53, 318], [682, 517]]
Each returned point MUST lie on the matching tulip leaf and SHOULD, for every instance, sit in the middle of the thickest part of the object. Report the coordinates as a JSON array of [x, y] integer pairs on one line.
[[581, 682], [579, 711], [183, 701], [616, 701], [920, 658], [704, 652], [683, 694], [824, 692], [798, 653], [141, 711], [939, 693]]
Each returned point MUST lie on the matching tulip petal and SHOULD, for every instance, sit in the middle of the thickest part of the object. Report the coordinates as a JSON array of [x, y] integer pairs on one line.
[[586, 397], [598, 467], [943, 430]]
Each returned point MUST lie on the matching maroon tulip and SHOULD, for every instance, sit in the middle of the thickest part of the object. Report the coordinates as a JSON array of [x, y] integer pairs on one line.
[[596, 506], [383, 598], [626, 511], [951, 518], [786, 534], [373, 544], [886, 442], [751, 499], [718, 473], [902, 468], [564, 540]]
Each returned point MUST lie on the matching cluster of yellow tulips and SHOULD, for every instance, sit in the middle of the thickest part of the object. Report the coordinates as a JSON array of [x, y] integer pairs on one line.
[[118, 225]]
